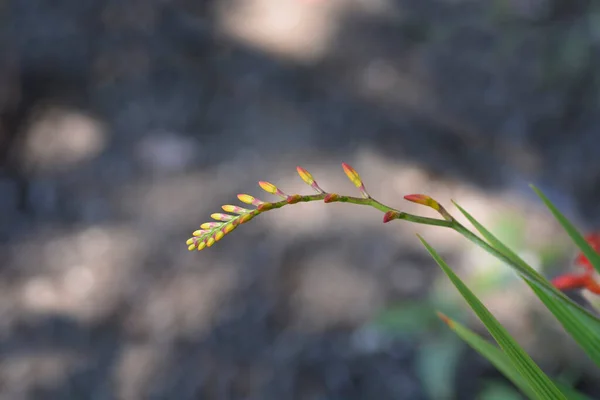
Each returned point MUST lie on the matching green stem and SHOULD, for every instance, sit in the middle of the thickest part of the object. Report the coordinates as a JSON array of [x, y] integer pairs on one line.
[[371, 202], [448, 222], [397, 214]]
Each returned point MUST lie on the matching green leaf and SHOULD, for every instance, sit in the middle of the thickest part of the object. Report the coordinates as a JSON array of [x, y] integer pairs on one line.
[[492, 353], [498, 391], [499, 360], [522, 269], [541, 385], [568, 226], [583, 326], [571, 393]]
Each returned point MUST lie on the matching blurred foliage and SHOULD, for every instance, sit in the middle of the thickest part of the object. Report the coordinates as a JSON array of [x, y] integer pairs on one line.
[[440, 354], [494, 390]]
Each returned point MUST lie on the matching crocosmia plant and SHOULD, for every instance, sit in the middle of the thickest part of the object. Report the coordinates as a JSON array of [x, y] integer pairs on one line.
[[506, 354]]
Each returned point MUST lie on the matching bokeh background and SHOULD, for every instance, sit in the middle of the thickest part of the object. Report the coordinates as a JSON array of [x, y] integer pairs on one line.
[[125, 123]]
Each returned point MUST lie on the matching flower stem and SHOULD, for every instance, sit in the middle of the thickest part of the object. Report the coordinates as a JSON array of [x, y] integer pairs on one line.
[[371, 202], [397, 214]]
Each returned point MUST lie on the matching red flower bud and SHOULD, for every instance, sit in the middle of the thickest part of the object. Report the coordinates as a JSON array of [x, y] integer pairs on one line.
[[424, 200], [331, 197], [390, 215]]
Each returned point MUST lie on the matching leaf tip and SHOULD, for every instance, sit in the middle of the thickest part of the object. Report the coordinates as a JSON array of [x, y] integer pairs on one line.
[[445, 319]]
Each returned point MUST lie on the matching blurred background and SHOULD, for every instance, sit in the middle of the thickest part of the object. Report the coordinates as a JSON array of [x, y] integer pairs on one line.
[[125, 123]]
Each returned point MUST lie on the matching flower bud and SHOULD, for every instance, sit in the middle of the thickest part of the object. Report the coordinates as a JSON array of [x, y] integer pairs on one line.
[[355, 179]]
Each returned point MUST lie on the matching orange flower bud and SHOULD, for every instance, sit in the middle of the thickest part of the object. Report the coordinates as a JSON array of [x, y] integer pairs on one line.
[[305, 175], [246, 198], [270, 188], [309, 180], [429, 202], [424, 200], [390, 215], [355, 179]]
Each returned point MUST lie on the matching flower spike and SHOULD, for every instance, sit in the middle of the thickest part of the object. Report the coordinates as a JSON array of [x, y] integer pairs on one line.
[[270, 188], [234, 216], [309, 180], [355, 179], [424, 200]]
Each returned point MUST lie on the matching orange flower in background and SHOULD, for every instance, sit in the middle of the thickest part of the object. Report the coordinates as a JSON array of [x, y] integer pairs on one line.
[[594, 240], [585, 280]]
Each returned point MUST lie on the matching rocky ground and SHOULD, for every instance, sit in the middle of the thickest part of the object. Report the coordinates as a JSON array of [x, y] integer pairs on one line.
[[124, 124]]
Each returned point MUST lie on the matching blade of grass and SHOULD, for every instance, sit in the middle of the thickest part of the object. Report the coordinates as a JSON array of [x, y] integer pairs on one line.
[[571, 393], [583, 327], [541, 385], [568, 226], [499, 360], [492, 353]]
